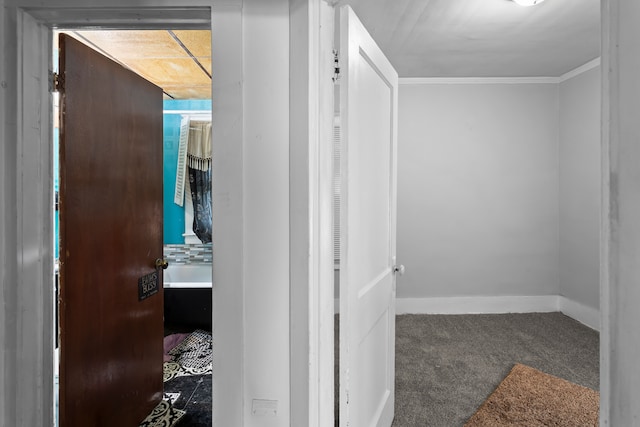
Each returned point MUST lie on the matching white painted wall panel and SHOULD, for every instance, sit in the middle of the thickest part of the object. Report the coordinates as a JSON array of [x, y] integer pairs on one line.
[[252, 279], [620, 339], [228, 274], [580, 188], [7, 227], [478, 190], [266, 207]]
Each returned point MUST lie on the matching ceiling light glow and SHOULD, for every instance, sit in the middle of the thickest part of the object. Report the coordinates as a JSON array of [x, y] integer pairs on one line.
[[528, 2]]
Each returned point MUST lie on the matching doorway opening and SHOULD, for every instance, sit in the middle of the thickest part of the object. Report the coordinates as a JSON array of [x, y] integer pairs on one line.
[[179, 62]]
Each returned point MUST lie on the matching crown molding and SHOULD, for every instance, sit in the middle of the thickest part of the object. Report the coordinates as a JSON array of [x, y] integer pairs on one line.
[[581, 69], [499, 80], [476, 80]]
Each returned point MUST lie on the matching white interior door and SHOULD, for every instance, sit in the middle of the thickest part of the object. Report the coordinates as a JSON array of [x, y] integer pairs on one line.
[[368, 110]]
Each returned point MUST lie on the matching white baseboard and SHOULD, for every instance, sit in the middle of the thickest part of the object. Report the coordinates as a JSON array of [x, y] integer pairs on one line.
[[497, 305], [582, 313], [478, 305]]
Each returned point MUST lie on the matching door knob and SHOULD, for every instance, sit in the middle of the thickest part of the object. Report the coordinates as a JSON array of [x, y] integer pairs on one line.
[[398, 269], [162, 263]]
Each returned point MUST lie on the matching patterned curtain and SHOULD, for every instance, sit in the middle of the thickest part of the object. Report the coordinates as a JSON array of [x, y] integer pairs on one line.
[[200, 182], [199, 169]]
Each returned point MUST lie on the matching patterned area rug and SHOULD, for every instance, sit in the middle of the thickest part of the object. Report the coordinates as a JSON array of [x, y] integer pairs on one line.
[[193, 356], [164, 415], [528, 397]]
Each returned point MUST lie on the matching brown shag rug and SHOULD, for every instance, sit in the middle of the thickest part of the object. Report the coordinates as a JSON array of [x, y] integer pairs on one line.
[[528, 397]]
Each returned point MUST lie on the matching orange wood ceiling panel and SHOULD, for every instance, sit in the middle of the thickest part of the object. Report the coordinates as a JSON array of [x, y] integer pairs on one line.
[[177, 71], [199, 44], [189, 92], [125, 44], [197, 41], [159, 57]]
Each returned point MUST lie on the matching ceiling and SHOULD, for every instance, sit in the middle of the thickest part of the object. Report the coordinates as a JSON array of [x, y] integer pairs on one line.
[[178, 61], [483, 38], [421, 38]]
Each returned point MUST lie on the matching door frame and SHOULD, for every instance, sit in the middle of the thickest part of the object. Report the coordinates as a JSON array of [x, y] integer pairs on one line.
[[311, 213], [32, 403]]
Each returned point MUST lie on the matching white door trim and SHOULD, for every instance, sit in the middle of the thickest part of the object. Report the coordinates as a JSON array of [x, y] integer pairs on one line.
[[311, 244], [34, 201], [28, 296], [608, 283]]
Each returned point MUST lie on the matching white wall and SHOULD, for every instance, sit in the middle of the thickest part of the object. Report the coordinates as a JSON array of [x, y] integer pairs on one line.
[[266, 207], [478, 190], [228, 274], [620, 338], [251, 302], [580, 188], [7, 243]]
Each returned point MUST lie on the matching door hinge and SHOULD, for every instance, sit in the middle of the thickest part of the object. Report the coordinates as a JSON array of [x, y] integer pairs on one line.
[[56, 82], [336, 67]]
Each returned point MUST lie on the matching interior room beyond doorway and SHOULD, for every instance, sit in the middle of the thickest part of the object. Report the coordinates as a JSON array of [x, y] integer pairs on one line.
[[179, 62]]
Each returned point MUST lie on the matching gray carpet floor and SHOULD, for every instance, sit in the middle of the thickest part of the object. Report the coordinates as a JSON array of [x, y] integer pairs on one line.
[[447, 365]]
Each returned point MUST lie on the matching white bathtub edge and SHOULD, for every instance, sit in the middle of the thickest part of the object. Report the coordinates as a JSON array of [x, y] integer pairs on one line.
[[187, 285]]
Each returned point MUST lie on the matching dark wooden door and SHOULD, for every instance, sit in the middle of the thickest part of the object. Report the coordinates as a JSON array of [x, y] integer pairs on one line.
[[111, 236]]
